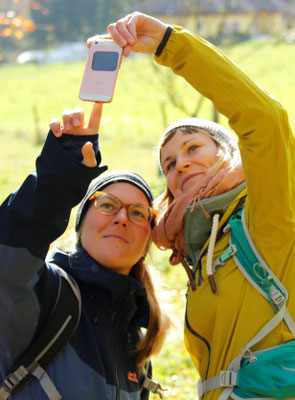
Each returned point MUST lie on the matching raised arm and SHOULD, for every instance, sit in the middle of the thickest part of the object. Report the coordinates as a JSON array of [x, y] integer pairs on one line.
[[38, 212], [35, 215], [266, 141]]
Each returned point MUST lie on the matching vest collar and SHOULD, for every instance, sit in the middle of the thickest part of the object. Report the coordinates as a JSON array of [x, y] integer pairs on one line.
[[197, 227]]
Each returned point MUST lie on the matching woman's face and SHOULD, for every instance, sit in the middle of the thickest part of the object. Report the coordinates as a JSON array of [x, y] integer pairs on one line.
[[113, 240], [185, 158]]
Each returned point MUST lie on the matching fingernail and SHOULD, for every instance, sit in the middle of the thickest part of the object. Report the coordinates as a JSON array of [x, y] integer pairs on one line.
[[123, 42], [68, 125], [76, 122]]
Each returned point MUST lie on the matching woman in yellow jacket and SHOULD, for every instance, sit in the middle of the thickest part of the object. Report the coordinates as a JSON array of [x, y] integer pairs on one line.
[[202, 166]]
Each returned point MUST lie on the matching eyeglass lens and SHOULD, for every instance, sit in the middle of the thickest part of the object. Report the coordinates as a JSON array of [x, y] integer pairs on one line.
[[109, 205]]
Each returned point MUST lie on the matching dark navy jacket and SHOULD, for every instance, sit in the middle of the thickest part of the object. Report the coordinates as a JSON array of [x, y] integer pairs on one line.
[[98, 362]]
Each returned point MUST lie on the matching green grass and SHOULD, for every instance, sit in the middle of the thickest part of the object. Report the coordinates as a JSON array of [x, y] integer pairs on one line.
[[32, 95]]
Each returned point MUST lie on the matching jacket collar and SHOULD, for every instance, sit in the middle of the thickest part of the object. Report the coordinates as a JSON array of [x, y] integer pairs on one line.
[[122, 289]]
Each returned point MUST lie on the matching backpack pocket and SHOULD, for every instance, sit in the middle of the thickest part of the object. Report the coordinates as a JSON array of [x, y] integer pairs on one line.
[[269, 373]]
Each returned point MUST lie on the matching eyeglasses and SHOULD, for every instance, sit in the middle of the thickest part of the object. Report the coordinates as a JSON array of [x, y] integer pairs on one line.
[[107, 204]]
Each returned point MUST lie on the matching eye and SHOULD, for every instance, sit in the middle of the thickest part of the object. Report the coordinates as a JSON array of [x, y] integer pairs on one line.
[[193, 148], [171, 165], [139, 212], [106, 205]]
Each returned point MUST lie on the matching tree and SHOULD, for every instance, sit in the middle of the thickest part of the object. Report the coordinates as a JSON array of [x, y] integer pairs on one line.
[[73, 20], [66, 20], [15, 24], [43, 22]]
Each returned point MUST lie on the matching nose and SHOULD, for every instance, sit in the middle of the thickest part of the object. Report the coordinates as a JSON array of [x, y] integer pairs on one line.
[[183, 165], [121, 218]]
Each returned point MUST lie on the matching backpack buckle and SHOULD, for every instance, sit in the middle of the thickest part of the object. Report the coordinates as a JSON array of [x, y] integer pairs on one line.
[[227, 378], [277, 297], [221, 260], [14, 379], [153, 386]]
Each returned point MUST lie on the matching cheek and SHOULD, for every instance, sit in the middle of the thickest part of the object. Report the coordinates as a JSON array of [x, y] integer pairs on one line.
[[170, 178], [173, 185], [206, 156], [92, 224], [143, 236]]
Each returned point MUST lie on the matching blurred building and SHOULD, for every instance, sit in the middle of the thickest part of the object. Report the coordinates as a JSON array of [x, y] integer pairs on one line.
[[211, 18]]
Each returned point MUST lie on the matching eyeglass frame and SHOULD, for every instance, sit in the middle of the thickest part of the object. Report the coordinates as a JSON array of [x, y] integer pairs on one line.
[[153, 213]]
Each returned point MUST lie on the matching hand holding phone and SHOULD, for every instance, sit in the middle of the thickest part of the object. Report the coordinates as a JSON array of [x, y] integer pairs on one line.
[[101, 71]]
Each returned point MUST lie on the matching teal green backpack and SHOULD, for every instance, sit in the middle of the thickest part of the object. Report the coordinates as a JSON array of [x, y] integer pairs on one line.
[[267, 374]]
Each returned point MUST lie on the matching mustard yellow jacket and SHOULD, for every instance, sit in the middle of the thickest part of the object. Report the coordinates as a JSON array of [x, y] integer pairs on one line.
[[219, 325]]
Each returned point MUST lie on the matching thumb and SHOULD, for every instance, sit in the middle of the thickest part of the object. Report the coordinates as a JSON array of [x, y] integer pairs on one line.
[[88, 154]]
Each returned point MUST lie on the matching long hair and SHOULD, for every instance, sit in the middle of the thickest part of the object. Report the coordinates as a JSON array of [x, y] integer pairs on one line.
[[150, 344]]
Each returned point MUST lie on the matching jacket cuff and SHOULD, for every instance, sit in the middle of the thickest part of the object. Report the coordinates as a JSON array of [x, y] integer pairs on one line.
[[164, 41], [73, 145], [57, 159], [176, 46]]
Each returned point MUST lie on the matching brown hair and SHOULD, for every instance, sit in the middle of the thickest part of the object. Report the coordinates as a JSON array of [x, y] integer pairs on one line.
[[150, 344]]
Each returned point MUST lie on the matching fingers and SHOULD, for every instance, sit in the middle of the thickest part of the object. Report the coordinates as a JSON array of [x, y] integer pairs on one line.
[[78, 116], [67, 119], [142, 33], [73, 122], [132, 23], [73, 118], [123, 29], [89, 158], [55, 127], [121, 34], [96, 38], [127, 50], [95, 117]]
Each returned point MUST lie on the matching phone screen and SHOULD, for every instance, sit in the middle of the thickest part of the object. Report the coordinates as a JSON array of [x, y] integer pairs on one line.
[[105, 61]]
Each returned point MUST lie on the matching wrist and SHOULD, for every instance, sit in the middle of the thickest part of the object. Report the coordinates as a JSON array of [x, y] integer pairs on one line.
[[164, 41]]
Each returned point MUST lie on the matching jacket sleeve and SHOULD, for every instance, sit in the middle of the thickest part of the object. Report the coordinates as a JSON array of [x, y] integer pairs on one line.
[[30, 219], [38, 212], [266, 142]]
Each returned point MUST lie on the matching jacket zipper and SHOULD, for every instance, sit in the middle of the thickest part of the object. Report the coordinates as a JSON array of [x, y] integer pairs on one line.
[[118, 383], [115, 363], [203, 340]]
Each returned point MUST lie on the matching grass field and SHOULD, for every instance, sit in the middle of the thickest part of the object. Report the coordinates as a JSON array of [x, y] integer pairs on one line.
[[31, 95]]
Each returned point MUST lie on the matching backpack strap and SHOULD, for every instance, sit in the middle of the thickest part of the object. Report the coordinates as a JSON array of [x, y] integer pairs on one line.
[[255, 269], [261, 277], [55, 334], [153, 386]]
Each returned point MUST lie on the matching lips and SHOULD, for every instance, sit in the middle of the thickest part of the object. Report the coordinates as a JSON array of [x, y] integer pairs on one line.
[[187, 178], [115, 236]]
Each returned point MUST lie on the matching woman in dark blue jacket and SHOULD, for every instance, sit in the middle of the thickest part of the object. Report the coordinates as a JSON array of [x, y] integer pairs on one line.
[[108, 355]]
